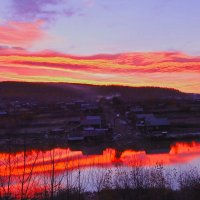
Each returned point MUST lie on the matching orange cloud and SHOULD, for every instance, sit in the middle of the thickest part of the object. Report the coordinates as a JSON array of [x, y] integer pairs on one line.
[[21, 33], [164, 69]]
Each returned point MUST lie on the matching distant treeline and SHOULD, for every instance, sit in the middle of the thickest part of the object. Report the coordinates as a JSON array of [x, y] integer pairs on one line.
[[66, 91]]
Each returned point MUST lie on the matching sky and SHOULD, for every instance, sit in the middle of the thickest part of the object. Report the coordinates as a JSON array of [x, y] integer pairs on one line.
[[121, 42]]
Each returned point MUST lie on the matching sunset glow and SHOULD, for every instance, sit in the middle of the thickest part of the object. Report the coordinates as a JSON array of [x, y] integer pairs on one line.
[[172, 70], [101, 43], [94, 97], [39, 163]]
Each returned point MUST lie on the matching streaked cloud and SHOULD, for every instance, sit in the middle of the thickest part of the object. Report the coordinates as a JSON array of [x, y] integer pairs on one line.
[[165, 69]]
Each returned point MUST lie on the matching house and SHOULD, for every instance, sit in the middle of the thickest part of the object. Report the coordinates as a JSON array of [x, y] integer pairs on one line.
[[90, 107], [78, 103], [3, 113], [150, 123], [195, 106], [137, 109], [91, 132], [70, 105], [142, 117], [73, 139], [92, 121], [74, 121], [57, 131], [95, 133]]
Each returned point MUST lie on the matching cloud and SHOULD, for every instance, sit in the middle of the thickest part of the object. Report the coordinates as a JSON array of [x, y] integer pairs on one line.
[[89, 3], [69, 12], [167, 69], [22, 34], [48, 10], [33, 9]]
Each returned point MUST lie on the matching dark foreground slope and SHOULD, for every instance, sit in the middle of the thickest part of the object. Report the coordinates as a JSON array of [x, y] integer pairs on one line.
[[63, 91]]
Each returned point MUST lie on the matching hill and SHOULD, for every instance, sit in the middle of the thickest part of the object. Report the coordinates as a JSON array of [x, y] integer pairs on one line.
[[51, 92]]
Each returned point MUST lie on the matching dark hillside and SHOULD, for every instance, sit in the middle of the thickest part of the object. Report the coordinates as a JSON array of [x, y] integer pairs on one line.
[[63, 91]]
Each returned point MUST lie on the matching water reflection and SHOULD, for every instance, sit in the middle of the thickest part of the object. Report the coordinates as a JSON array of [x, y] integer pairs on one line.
[[29, 172]]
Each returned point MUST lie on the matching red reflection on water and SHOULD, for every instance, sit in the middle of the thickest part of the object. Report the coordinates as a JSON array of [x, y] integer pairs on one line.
[[180, 152], [37, 163]]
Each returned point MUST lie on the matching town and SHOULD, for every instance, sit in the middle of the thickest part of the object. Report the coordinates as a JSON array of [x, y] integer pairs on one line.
[[107, 120]]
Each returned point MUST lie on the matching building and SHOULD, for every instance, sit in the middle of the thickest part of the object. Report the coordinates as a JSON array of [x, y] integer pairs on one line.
[[74, 120], [3, 113], [137, 109], [92, 121], [94, 133], [90, 107], [149, 123]]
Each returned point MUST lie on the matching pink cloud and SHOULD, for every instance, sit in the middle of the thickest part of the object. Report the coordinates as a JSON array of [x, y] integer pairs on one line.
[[164, 69], [22, 34]]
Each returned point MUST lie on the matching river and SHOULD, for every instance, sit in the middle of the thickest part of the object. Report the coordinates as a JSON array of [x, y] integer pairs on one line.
[[31, 172]]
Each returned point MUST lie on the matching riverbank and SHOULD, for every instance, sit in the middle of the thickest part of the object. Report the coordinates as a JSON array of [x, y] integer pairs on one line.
[[138, 184]]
